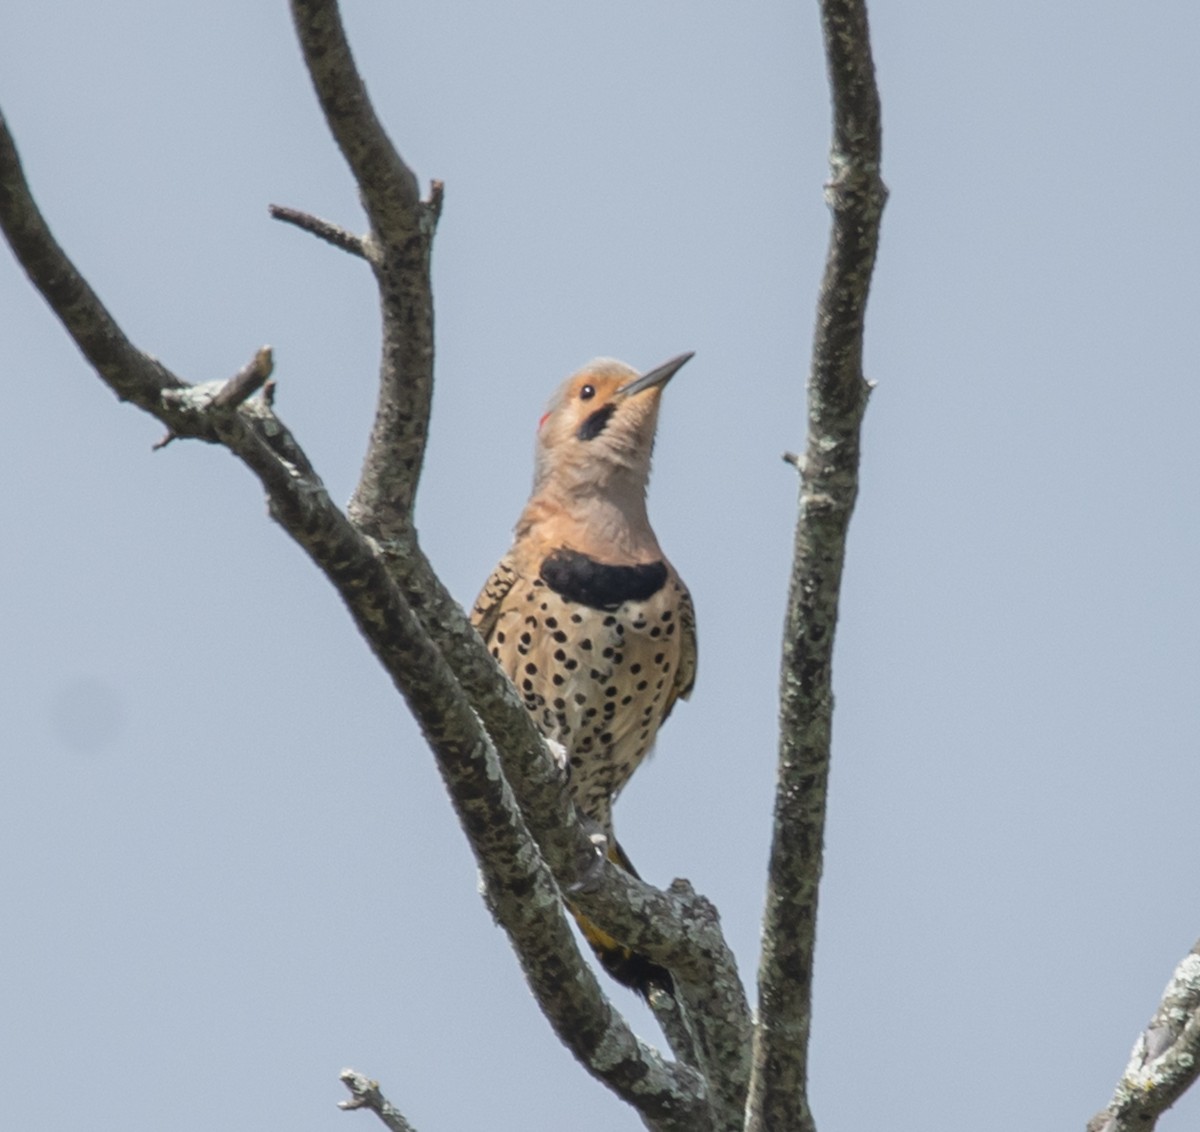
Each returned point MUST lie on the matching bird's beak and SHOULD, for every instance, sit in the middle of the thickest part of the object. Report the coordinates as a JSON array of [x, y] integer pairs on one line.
[[658, 376]]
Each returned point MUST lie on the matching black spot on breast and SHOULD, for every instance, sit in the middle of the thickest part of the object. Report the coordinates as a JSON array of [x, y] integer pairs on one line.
[[576, 577], [594, 423]]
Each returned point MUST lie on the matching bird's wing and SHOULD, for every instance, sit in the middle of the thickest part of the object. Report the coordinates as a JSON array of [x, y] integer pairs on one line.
[[685, 674], [487, 605]]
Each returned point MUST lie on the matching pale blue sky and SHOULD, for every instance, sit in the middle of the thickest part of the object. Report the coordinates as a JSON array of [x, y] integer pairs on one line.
[[227, 866]]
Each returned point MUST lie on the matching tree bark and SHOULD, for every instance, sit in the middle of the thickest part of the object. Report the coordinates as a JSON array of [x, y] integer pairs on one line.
[[1165, 1060], [837, 398]]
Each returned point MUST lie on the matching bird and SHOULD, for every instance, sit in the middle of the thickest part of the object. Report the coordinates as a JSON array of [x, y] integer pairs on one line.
[[585, 614]]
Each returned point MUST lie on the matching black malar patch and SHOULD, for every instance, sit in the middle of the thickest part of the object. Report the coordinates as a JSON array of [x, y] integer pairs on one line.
[[594, 423]]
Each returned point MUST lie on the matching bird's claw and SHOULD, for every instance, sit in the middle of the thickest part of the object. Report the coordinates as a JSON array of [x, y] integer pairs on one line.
[[559, 754], [590, 870]]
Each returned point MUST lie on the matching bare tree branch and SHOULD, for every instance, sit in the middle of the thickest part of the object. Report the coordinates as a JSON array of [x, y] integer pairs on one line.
[[837, 396], [1165, 1060], [247, 381], [364, 1093], [389, 187], [325, 230], [132, 375]]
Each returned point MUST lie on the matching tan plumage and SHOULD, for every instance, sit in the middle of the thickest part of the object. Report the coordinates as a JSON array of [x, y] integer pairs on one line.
[[585, 614]]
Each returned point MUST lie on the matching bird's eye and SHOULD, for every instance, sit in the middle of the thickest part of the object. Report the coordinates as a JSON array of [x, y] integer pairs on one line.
[[587, 393]]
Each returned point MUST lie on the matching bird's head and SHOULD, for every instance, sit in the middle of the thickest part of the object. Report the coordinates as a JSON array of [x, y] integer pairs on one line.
[[597, 433]]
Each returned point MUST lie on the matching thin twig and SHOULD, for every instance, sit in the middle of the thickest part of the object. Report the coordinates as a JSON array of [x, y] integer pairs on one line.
[[247, 381], [437, 193], [364, 1093], [233, 393], [325, 230]]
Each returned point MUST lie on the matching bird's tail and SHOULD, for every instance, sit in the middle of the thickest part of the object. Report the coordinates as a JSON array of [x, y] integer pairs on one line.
[[625, 965]]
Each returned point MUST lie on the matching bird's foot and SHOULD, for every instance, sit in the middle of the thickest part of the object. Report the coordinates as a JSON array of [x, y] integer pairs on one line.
[[559, 754], [591, 868]]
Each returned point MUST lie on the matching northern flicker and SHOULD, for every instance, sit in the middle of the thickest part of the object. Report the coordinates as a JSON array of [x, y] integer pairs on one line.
[[585, 614]]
